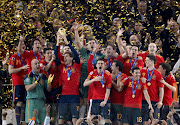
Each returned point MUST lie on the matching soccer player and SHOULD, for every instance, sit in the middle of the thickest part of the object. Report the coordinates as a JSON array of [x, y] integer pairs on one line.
[[111, 50], [18, 67], [32, 54], [85, 53], [101, 82], [117, 96], [169, 87], [70, 79], [155, 88], [35, 53], [66, 48], [48, 67], [35, 83], [131, 61], [135, 89], [152, 48]]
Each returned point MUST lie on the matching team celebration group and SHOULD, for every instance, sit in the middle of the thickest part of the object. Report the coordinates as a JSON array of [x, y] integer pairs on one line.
[[109, 70]]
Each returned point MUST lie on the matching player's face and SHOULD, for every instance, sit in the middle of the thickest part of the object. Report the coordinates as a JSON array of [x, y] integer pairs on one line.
[[37, 46], [148, 62], [67, 59], [161, 70], [35, 66], [100, 65], [136, 74], [91, 45], [66, 49], [48, 54], [103, 51], [113, 67], [134, 51], [109, 51], [152, 48]]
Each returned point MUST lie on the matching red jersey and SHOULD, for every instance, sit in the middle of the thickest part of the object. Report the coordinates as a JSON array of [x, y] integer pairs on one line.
[[159, 58], [54, 70], [70, 87], [30, 56], [98, 92], [135, 102], [118, 97], [120, 58], [17, 62], [167, 100], [127, 65], [153, 89]]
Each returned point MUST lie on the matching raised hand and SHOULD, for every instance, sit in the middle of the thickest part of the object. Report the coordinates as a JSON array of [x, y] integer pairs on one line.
[[98, 78], [120, 32]]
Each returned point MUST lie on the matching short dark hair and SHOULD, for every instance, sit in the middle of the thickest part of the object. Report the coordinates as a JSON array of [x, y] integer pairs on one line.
[[118, 63], [135, 68], [70, 54], [100, 59], [152, 58], [32, 43], [167, 67], [134, 46], [113, 46], [46, 49]]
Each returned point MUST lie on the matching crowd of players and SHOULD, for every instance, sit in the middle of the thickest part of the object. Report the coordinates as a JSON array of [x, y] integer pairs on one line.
[[127, 79]]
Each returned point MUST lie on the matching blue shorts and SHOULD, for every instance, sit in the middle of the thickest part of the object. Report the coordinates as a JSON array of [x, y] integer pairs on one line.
[[69, 103], [116, 112], [131, 115], [96, 109], [164, 112], [145, 110], [53, 96], [19, 93]]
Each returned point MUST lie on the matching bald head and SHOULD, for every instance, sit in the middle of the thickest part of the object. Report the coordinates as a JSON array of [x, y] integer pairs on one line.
[[35, 66]]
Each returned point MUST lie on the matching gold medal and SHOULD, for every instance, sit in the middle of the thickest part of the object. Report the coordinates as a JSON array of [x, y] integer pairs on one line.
[[68, 78], [103, 85], [133, 96], [149, 84]]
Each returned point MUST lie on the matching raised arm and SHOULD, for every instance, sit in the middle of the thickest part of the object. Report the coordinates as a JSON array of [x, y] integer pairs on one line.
[[77, 39], [48, 66], [119, 40]]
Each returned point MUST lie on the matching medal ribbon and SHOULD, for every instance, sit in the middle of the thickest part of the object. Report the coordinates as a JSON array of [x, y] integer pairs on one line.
[[165, 77], [69, 73], [134, 90], [149, 77], [23, 62], [36, 56], [116, 76], [102, 77], [34, 74], [109, 63], [132, 65]]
